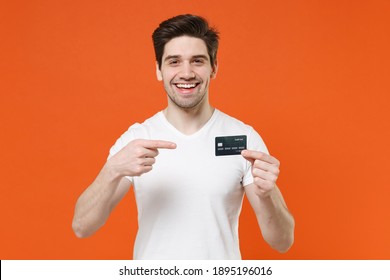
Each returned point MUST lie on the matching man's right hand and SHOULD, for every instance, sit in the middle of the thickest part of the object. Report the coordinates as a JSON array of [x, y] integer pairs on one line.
[[138, 157]]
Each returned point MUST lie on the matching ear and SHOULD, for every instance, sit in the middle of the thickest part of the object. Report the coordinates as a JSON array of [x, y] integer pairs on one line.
[[214, 70], [158, 73]]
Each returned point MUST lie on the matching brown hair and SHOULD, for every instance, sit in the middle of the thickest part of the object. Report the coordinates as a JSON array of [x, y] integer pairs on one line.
[[190, 25]]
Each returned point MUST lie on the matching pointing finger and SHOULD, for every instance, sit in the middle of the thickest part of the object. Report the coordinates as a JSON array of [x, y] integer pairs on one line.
[[158, 144]]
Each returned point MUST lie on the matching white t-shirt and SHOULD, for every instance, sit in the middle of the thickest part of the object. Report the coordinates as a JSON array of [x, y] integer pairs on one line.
[[189, 204]]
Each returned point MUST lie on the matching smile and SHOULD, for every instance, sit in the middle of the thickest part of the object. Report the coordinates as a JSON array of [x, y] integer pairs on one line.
[[186, 86]]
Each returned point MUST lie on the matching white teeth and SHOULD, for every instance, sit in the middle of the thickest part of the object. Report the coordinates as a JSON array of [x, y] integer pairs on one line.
[[186, 85]]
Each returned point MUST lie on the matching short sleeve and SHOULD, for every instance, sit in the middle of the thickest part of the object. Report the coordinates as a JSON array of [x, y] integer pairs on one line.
[[255, 143]]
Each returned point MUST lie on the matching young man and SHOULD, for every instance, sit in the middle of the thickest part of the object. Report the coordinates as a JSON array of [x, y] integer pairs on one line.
[[190, 164]]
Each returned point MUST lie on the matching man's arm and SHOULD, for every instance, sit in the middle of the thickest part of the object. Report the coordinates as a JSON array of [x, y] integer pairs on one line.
[[275, 221], [96, 203]]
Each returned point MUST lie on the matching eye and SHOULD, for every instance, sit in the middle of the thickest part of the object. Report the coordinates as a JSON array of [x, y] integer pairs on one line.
[[173, 62], [198, 61]]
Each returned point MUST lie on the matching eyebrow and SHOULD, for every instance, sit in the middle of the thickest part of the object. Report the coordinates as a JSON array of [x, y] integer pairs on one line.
[[193, 57]]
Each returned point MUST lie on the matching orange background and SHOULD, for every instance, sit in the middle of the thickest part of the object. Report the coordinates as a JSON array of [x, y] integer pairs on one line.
[[311, 76]]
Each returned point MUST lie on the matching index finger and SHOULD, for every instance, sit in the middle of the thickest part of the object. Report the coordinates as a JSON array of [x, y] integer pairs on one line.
[[253, 155], [159, 144]]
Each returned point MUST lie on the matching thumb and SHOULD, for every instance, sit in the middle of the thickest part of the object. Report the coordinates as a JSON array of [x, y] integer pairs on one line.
[[251, 160]]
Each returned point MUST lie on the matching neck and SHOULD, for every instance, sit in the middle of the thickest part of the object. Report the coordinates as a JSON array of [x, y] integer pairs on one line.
[[188, 121]]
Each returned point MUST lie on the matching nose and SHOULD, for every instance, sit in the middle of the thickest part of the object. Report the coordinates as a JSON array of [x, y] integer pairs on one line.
[[187, 72]]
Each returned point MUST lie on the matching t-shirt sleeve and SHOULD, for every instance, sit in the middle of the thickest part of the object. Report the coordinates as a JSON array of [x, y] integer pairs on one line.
[[255, 143], [122, 141]]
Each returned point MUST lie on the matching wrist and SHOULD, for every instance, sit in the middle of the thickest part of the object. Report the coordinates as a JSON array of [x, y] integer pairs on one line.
[[111, 172]]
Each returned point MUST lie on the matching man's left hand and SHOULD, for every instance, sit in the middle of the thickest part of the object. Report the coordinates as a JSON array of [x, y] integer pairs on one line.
[[265, 171]]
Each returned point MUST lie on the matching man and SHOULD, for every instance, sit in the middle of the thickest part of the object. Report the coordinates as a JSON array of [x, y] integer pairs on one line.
[[186, 165]]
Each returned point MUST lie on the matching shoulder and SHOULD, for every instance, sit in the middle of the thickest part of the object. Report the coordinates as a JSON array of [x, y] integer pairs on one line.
[[231, 122], [140, 130]]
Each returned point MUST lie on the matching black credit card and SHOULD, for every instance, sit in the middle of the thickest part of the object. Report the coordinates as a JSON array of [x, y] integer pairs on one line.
[[230, 145]]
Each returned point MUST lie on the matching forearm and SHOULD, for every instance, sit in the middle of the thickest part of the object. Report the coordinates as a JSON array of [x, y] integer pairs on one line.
[[276, 222], [94, 205]]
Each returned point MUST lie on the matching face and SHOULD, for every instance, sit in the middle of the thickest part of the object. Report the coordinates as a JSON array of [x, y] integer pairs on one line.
[[186, 72]]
